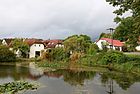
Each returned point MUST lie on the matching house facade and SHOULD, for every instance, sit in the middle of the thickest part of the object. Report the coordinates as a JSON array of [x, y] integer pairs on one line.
[[109, 43], [37, 46], [35, 50]]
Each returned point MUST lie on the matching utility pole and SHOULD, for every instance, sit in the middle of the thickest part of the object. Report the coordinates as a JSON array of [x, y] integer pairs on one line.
[[111, 32]]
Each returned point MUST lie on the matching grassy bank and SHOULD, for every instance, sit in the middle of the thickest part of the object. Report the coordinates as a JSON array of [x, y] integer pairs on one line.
[[114, 61]]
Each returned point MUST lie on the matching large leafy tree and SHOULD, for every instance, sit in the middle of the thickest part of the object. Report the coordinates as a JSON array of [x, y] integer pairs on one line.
[[124, 30], [134, 7], [105, 35], [6, 55], [77, 43], [18, 44]]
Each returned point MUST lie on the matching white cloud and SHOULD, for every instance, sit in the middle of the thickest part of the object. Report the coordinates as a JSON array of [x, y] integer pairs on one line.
[[54, 18]]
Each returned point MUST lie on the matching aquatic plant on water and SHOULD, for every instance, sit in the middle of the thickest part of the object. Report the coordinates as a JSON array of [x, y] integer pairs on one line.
[[15, 87]]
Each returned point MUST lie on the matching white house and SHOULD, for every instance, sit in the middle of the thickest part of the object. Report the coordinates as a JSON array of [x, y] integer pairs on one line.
[[36, 46], [35, 49], [109, 43]]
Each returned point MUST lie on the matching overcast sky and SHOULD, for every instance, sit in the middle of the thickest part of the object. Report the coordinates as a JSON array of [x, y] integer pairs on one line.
[[54, 19]]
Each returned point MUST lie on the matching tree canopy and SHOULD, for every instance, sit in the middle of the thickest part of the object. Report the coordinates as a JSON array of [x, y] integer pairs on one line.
[[18, 44], [105, 35], [128, 5], [78, 43], [130, 26], [124, 30], [6, 55]]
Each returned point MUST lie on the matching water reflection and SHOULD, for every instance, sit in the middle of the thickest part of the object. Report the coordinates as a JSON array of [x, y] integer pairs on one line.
[[17, 73], [73, 77], [124, 80], [75, 81]]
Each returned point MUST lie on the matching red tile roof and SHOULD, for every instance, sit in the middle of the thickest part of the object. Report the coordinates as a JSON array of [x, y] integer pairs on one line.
[[115, 42], [52, 43], [30, 42], [47, 43]]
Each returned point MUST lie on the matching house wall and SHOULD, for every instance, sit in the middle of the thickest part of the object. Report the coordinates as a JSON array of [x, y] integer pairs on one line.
[[4, 42], [138, 48], [99, 44], [34, 48], [59, 45]]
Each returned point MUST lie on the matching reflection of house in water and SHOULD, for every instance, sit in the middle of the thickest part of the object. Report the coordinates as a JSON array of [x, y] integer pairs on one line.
[[35, 73], [34, 77]]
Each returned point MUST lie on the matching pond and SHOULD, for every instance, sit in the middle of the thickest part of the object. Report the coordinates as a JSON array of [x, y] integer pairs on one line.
[[73, 81]]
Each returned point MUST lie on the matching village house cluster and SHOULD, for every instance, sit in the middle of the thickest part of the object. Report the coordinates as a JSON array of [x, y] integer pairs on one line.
[[38, 45], [35, 46]]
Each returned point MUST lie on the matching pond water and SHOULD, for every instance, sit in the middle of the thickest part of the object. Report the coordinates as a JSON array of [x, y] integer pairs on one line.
[[72, 81]]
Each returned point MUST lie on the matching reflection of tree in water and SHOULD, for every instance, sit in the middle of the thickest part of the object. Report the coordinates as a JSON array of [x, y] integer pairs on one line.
[[14, 72], [124, 80], [75, 77]]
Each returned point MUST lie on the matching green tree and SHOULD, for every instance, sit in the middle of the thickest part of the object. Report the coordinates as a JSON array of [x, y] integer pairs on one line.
[[93, 49], [113, 57], [124, 30], [18, 44], [77, 43], [134, 7], [105, 35], [57, 54], [6, 55]]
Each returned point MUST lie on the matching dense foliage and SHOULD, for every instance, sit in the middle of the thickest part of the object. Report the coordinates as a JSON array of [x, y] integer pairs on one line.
[[134, 7], [125, 32], [6, 55], [77, 43], [18, 44], [113, 57], [124, 29], [57, 54], [105, 35], [93, 49]]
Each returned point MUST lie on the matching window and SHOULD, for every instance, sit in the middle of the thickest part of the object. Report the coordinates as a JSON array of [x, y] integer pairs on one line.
[[35, 45], [39, 45]]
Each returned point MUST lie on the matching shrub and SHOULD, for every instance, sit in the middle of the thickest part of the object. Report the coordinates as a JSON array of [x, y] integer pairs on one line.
[[6, 55], [113, 57], [93, 49], [133, 58], [124, 67], [57, 54]]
